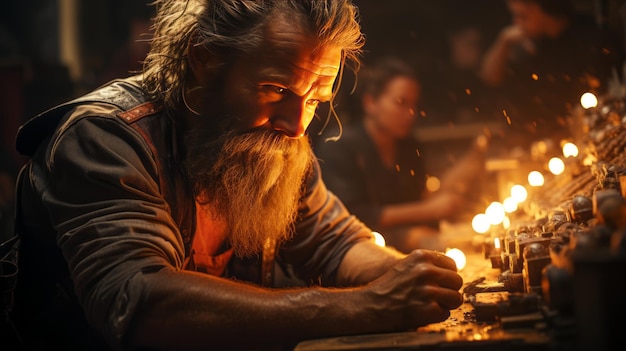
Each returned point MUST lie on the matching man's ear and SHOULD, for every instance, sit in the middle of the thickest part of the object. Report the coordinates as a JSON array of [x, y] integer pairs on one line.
[[201, 62]]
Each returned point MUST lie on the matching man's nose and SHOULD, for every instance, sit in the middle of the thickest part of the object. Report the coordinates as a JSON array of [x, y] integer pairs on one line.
[[293, 119]]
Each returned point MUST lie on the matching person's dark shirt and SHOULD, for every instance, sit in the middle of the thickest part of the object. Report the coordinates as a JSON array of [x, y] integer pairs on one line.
[[353, 170]]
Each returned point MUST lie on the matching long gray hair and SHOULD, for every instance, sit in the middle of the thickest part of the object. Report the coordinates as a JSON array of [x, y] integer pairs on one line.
[[236, 27]]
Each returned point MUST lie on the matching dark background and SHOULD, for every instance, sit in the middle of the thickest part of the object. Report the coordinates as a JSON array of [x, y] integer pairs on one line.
[[34, 76]]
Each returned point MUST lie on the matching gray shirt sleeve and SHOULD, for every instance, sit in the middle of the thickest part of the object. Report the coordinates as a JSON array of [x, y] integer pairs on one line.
[[324, 233], [99, 183]]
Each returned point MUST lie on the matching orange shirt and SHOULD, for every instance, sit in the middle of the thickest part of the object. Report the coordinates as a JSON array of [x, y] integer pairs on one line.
[[208, 240]]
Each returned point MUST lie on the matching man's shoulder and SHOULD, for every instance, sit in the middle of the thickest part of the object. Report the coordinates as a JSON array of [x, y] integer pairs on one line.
[[119, 99]]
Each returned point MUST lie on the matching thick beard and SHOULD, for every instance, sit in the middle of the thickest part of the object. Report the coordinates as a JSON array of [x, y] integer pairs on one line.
[[252, 181]]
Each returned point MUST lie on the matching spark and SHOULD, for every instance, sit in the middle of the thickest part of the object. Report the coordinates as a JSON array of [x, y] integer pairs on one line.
[[508, 118]]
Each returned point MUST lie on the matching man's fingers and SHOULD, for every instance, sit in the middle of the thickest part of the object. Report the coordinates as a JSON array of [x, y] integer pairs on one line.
[[446, 298], [434, 257], [447, 279], [431, 312], [444, 261], [449, 299], [428, 273]]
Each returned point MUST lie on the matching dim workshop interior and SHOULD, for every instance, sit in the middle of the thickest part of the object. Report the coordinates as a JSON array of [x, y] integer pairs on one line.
[[541, 245]]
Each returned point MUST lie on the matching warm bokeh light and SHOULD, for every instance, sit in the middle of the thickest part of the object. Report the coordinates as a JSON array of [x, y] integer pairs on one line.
[[379, 239], [570, 150], [519, 193], [458, 256], [589, 160], [495, 213], [588, 100], [535, 178], [433, 184], [542, 147], [556, 165], [480, 223], [509, 204], [496, 243], [506, 222]]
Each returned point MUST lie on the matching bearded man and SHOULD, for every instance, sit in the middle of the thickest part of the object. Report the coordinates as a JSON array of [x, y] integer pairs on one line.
[[155, 210]]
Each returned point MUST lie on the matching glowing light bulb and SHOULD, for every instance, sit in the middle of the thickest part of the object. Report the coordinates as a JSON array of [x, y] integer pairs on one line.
[[519, 193], [480, 223], [509, 204], [379, 239], [570, 150], [495, 213], [556, 165], [588, 100], [535, 178], [458, 256]]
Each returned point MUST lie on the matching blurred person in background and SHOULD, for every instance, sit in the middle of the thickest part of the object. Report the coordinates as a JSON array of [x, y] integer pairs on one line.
[[376, 169], [453, 91], [543, 62]]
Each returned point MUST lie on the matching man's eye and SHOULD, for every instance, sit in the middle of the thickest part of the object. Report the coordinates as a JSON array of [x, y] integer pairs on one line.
[[273, 93], [273, 89]]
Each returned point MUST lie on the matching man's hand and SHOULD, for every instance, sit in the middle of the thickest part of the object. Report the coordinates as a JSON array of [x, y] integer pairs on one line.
[[420, 289], [390, 292]]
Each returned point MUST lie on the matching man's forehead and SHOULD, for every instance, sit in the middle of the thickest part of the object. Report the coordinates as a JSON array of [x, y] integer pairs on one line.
[[288, 45], [323, 63], [300, 64]]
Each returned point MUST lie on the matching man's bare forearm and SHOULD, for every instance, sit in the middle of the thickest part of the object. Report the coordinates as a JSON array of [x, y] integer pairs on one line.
[[365, 262], [187, 310], [193, 311]]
